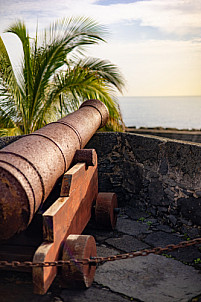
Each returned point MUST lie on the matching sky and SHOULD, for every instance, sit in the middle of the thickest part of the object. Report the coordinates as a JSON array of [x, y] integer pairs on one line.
[[155, 43]]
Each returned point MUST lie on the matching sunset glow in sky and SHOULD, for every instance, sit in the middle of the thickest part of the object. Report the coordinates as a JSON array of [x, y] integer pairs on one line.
[[155, 43]]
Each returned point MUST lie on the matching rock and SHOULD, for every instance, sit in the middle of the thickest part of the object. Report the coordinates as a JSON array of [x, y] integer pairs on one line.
[[173, 219], [187, 254], [163, 209], [162, 239], [163, 167], [127, 243], [151, 279], [164, 228], [92, 294], [131, 227], [135, 213], [191, 209], [169, 192], [103, 251], [156, 192]]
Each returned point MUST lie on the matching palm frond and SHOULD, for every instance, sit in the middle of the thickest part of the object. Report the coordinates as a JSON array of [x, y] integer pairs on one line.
[[80, 83], [53, 80], [104, 69], [20, 30], [10, 131]]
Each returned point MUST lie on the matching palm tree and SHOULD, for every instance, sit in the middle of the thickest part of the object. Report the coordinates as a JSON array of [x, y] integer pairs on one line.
[[55, 77]]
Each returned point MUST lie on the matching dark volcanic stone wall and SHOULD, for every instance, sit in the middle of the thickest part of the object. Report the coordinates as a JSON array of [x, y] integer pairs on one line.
[[160, 175]]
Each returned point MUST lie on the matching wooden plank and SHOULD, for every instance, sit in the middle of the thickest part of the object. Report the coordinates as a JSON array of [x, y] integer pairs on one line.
[[68, 215], [71, 179]]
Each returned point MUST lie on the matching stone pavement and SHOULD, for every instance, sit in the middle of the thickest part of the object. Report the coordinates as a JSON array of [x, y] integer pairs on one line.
[[172, 277]]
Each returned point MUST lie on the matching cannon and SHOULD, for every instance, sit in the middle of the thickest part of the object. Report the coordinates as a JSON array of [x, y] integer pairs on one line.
[[29, 168], [48, 189]]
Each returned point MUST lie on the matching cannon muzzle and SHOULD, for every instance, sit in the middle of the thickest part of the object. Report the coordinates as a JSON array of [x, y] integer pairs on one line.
[[31, 166]]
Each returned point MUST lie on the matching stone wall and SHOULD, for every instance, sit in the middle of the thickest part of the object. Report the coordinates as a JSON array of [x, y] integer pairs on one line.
[[160, 175], [184, 135]]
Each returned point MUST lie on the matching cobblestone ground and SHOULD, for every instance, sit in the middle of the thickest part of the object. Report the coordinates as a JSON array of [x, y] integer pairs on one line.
[[172, 277]]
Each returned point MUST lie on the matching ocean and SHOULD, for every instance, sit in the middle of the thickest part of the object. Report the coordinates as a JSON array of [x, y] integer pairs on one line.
[[181, 112]]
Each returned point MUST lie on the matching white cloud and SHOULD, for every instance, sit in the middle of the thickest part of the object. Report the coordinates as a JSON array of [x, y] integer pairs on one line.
[[178, 16], [151, 67]]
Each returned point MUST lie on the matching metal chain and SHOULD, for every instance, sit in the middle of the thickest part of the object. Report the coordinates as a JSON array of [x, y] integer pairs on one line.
[[99, 260]]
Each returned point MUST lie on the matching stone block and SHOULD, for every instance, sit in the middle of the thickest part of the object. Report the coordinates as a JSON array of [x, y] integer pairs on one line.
[[163, 166], [127, 243], [97, 294], [131, 227], [156, 193], [151, 279], [173, 219], [162, 239], [191, 209]]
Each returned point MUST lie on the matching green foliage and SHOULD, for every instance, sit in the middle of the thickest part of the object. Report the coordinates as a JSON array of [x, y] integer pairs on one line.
[[142, 219], [186, 237], [197, 261], [168, 256], [55, 77]]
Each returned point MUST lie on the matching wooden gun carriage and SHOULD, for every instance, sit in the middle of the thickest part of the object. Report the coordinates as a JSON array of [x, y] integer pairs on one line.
[[49, 228]]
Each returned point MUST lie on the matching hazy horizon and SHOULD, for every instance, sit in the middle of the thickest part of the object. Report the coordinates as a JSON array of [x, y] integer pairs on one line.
[[181, 112]]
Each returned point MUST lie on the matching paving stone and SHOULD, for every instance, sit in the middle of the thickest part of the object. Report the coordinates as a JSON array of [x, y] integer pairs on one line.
[[151, 279], [127, 243], [131, 227], [141, 280], [149, 231], [164, 228], [136, 213], [162, 239], [92, 294], [151, 221], [187, 254], [103, 251]]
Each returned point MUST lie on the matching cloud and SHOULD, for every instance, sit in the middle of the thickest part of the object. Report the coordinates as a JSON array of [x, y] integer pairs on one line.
[[168, 64], [109, 2], [180, 16]]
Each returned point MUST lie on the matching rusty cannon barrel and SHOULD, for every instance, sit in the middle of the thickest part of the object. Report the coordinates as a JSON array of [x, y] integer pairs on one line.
[[30, 166]]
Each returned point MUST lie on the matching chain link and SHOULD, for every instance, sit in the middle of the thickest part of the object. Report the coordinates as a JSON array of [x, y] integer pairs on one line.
[[100, 260]]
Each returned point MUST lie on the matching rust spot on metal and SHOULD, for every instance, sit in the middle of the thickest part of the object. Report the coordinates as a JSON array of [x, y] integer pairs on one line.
[[32, 165], [87, 156]]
